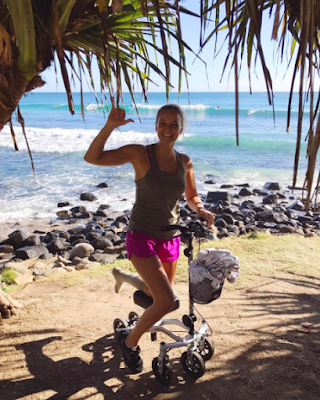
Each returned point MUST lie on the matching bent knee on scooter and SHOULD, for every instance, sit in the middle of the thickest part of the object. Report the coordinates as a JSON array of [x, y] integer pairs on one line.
[[164, 304]]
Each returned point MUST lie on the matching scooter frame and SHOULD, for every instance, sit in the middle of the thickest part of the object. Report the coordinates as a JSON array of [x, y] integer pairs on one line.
[[199, 348]]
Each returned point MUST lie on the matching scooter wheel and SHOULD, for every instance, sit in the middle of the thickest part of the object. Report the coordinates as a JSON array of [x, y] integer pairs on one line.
[[195, 367], [133, 315], [208, 350], [119, 323], [166, 377]]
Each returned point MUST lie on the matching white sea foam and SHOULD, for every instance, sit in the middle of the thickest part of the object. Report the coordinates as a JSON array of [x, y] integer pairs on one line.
[[60, 140], [93, 106], [185, 107]]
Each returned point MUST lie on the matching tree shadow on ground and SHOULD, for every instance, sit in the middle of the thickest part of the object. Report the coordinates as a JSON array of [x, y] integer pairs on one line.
[[280, 361]]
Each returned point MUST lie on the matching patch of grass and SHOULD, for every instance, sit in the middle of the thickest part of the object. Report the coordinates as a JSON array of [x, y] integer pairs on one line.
[[262, 257], [269, 256], [9, 275]]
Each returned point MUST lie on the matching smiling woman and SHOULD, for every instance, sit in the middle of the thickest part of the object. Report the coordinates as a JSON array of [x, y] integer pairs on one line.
[[162, 175]]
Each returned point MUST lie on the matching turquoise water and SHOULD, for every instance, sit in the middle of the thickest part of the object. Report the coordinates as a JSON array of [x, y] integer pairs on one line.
[[58, 142]]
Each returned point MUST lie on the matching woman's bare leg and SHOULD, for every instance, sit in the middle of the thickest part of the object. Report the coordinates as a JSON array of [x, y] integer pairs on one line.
[[154, 275], [170, 268]]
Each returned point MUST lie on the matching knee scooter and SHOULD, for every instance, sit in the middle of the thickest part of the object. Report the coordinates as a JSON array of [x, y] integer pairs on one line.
[[199, 347]]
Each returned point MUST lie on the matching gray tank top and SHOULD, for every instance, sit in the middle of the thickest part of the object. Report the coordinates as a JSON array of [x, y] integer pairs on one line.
[[157, 200]]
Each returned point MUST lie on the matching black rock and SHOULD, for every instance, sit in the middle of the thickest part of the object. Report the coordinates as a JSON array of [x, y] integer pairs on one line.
[[245, 192], [285, 228], [88, 197], [244, 185], [6, 248], [260, 192], [184, 212], [104, 207], [234, 228], [251, 227], [56, 245], [101, 243], [226, 217], [248, 204], [210, 182], [122, 218], [64, 235], [118, 224], [93, 235], [79, 209], [102, 185], [220, 222], [305, 218], [101, 213], [46, 256], [77, 236], [16, 239], [226, 186], [32, 240], [31, 252], [270, 199], [272, 186], [103, 258], [63, 204], [80, 240], [297, 205], [212, 197], [83, 215]]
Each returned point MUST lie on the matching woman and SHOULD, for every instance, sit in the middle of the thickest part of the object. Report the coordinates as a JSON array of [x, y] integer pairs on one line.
[[162, 175]]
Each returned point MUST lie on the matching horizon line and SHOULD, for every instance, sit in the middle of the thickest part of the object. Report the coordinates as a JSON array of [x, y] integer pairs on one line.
[[173, 92]]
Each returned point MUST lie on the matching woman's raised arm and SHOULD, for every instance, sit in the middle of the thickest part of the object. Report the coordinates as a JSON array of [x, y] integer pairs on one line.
[[96, 155]]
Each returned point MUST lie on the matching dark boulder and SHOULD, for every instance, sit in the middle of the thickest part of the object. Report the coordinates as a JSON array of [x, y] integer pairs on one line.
[[16, 239], [297, 205], [63, 204], [101, 213], [56, 245], [101, 243], [6, 248], [220, 222], [79, 209], [32, 240], [245, 192], [93, 235], [103, 258], [184, 212], [272, 186], [228, 218], [213, 197], [244, 185], [260, 192], [27, 252], [270, 199], [88, 197]]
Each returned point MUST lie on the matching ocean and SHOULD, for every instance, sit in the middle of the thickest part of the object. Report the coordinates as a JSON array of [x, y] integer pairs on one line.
[[59, 141]]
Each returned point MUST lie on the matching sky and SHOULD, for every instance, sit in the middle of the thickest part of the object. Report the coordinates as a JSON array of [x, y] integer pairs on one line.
[[204, 77]]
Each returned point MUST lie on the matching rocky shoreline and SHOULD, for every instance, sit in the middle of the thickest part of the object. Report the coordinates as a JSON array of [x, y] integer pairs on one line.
[[81, 238]]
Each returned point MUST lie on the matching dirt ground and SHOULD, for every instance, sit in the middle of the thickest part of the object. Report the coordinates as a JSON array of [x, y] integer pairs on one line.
[[61, 346]]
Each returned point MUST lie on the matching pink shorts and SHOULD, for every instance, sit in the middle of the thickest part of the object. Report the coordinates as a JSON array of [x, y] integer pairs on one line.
[[143, 246]]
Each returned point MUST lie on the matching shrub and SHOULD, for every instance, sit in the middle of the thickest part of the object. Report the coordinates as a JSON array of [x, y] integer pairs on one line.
[[9, 275]]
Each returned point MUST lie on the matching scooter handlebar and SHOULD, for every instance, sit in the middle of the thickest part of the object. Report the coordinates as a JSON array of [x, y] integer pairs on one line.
[[186, 229]]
